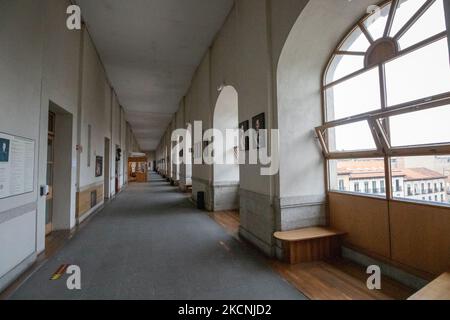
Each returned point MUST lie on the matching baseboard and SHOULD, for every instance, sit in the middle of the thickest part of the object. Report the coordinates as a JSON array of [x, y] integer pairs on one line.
[[86, 215], [388, 270], [267, 249]]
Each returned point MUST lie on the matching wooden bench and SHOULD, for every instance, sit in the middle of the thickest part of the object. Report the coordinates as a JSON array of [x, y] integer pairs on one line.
[[439, 289], [310, 244]]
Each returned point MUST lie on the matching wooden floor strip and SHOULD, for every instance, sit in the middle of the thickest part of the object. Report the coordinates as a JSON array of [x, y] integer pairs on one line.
[[337, 279]]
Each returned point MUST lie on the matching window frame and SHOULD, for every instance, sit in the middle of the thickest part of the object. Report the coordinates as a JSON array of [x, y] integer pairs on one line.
[[378, 120]]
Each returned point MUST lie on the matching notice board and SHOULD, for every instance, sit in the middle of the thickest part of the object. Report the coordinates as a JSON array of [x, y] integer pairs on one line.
[[16, 165]]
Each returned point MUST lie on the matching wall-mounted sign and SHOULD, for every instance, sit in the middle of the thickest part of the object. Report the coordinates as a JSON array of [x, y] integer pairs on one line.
[[16, 165]]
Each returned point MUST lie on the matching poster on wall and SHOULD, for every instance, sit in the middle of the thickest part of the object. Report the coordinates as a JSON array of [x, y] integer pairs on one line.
[[244, 144], [16, 165], [98, 166], [259, 123]]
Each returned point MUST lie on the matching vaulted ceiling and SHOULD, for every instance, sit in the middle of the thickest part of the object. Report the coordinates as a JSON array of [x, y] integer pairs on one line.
[[150, 49]]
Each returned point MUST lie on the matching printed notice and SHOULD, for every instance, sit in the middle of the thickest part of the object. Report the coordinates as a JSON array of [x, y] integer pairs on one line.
[[16, 165]]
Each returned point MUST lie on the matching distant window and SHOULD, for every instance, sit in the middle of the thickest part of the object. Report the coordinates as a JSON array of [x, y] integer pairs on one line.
[[348, 175], [341, 185], [425, 169]]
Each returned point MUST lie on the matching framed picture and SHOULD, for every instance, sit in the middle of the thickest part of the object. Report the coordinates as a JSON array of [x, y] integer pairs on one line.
[[4, 150], [259, 123], [98, 166], [244, 141]]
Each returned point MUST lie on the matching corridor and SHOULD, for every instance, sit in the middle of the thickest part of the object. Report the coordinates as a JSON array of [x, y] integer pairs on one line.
[[151, 243], [224, 150]]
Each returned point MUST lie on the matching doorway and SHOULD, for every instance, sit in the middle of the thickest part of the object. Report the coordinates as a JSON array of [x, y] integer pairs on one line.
[[117, 169], [61, 171], [107, 170], [226, 173], [50, 173]]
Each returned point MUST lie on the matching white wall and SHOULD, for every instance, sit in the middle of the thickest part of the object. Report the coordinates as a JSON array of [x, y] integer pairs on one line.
[[93, 107], [40, 61], [60, 84], [21, 43]]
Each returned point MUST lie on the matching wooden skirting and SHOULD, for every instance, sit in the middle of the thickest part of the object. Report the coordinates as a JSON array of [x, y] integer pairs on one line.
[[83, 203], [412, 235]]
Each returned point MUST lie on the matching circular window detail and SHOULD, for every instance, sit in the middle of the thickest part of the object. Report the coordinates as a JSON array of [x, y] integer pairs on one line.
[[381, 51]]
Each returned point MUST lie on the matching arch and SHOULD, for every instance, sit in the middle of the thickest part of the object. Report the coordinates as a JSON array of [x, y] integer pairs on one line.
[[226, 117], [226, 173], [299, 107], [402, 81], [186, 167]]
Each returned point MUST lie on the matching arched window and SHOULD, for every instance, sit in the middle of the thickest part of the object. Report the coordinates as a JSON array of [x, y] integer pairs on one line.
[[386, 93]]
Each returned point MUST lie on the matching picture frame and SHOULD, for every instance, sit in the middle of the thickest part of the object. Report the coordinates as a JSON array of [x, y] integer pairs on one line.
[[98, 166], [4, 150], [244, 141], [259, 123]]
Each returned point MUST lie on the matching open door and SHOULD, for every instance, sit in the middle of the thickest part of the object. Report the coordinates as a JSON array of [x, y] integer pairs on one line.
[[50, 173]]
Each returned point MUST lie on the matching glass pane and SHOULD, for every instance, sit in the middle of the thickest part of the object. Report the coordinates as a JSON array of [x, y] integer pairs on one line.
[[405, 10], [376, 23], [343, 65], [50, 150], [356, 41], [48, 211], [366, 176], [49, 174], [423, 179], [51, 122], [422, 73], [430, 126], [351, 137], [357, 95], [430, 23]]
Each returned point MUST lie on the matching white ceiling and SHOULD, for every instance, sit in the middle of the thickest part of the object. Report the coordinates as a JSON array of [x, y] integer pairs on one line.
[[150, 49]]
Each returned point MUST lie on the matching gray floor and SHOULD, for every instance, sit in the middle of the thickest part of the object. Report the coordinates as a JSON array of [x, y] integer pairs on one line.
[[150, 243]]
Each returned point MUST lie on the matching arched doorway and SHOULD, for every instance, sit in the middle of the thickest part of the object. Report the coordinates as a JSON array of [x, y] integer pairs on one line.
[[299, 102], [226, 168], [186, 165]]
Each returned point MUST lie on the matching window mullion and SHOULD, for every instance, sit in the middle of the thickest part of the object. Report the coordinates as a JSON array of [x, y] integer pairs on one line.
[[386, 133], [414, 19], [383, 97], [366, 32], [391, 17], [319, 134]]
